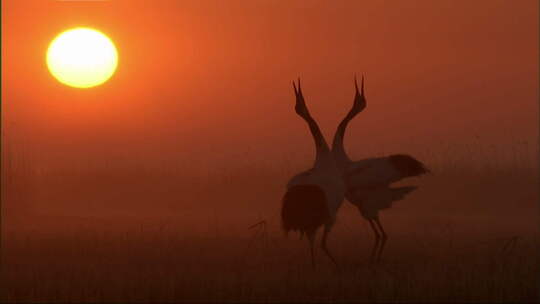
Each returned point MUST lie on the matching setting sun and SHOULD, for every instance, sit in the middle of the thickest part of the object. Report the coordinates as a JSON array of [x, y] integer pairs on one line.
[[82, 57]]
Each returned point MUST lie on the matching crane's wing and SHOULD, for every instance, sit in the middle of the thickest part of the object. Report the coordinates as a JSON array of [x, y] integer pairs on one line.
[[384, 198], [374, 172], [370, 202]]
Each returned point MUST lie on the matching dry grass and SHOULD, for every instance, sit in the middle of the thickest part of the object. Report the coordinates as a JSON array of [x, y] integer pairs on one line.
[[163, 266], [450, 241]]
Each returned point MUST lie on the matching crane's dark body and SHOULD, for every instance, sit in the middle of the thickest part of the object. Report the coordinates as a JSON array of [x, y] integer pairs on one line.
[[304, 209]]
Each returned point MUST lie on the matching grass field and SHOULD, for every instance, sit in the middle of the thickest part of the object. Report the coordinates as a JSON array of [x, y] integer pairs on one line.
[[164, 266], [465, 235]]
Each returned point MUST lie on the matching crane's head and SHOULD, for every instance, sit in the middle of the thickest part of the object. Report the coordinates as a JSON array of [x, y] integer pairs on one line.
[[300, 107], [359, 98]]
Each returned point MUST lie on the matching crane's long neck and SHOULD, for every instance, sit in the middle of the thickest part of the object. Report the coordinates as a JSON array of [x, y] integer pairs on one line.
[[322, 150], [338, 148]]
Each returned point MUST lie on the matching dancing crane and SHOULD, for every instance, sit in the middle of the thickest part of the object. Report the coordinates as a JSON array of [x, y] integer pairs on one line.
[[368, 180], [314, 196]]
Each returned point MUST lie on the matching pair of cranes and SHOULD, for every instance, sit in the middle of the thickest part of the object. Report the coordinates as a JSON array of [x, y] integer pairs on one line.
[[313, 197]]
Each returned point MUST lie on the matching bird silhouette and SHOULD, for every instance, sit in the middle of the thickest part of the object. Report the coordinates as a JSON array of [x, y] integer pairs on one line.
[[314, 196], [368, 180]]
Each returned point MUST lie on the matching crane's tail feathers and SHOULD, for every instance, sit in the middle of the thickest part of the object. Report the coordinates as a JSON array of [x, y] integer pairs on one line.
[[304, 209], [408, 165]]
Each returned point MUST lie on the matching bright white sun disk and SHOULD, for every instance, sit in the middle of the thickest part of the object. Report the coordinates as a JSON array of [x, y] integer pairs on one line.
[[82, 57]]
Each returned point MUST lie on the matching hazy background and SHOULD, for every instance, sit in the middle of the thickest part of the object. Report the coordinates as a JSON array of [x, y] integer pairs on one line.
[[198, 119], [142, 189]]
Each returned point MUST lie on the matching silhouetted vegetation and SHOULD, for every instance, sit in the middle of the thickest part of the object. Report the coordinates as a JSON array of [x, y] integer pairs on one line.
[[131, 233]]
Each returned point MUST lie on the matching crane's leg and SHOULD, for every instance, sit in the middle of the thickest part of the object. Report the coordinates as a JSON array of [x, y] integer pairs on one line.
[[384, 238], [325, 248], [377, 240], [311, 239]]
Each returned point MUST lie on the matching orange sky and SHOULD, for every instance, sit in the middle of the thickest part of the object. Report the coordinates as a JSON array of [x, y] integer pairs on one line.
[[209, 80]]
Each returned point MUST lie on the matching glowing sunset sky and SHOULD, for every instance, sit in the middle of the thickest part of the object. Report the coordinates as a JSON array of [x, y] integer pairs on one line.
[[204, 76]]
